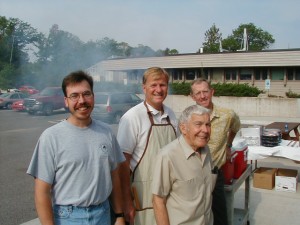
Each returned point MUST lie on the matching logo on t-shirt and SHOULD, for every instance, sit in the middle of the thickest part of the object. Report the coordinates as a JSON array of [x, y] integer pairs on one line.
[[104, 148]]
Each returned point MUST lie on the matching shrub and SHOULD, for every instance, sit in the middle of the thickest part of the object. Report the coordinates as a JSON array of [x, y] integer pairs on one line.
[[179, 88], [238, 90], [221, 89], [291, 94]]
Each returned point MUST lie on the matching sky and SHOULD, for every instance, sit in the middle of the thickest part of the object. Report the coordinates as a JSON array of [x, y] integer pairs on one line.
[[159, 24]]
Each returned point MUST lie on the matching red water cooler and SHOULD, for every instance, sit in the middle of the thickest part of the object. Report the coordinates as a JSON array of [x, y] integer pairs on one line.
[[228, 168], [240, 163]]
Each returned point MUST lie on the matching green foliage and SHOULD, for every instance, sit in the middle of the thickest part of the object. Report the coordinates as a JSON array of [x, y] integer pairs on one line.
[[291, 94], [258, 39], [221, 89], [212, 40], [238, 90], [179, 88], [7, 77]]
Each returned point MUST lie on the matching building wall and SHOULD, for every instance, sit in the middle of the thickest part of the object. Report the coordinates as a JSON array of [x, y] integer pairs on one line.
[[244, 67], [275, 108]]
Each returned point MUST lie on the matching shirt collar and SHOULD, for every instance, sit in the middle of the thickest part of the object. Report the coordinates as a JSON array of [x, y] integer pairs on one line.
[[156, 112], [187, 149]]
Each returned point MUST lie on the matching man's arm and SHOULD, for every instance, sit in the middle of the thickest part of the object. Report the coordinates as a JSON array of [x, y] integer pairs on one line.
[[116, 196], [230, 139], [160, 210], [128, 205], [43, 202]]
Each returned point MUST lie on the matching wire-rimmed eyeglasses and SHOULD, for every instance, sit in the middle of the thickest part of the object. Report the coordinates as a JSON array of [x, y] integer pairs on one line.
[[75, 96]]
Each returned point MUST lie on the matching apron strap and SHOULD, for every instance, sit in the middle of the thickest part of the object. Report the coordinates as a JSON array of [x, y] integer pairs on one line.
[[151, 116]]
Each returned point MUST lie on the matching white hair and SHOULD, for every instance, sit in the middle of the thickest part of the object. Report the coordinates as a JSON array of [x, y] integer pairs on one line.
[[189, 111]]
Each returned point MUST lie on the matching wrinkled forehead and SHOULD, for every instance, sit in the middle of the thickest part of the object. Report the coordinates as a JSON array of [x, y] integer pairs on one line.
[[203, 86]]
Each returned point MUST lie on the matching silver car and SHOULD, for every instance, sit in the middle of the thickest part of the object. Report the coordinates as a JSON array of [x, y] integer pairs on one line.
[[7, 99], [110, 107]]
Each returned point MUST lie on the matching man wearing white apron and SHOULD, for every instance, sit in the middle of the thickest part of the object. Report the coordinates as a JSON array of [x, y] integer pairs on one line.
[[143, 131]]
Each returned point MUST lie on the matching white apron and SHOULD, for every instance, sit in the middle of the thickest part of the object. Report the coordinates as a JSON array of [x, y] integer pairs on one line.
[[159, 135]]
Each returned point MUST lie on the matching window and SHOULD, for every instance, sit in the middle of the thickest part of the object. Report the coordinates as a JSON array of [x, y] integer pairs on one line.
[[264, 74], [101, 99], [257, 74], [190, 75], [277, 73], [205, 75], [245, 74], [230, 74], [290, 74], [297, 74]]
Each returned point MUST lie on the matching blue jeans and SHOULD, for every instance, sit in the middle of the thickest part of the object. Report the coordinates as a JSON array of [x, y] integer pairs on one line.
[[73, 215]]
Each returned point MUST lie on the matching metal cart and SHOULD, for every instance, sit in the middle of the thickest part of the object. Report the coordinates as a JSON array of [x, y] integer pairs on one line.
[[237, 216]]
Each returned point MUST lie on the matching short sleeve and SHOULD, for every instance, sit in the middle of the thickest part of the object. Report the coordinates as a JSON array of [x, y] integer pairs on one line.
[[162, 181], [127, 135], [117, 156], [42, 164]]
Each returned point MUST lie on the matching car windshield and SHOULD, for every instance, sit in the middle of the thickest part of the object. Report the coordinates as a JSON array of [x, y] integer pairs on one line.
[[48, 92], [101, 98], [5, 95]]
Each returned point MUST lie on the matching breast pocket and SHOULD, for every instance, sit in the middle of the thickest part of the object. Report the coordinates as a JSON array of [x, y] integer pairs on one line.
[[189, 189]]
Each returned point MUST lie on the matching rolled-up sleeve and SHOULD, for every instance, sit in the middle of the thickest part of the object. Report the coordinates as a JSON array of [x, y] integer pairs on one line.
[[236, 123]]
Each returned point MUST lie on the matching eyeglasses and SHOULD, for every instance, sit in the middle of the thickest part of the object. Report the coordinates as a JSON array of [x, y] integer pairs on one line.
[[200, 93], [75, 96]]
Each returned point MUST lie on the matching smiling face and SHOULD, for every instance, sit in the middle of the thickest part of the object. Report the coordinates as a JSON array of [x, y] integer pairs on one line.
[[202, 94], [155, 89], [80, 109], [196, 131]]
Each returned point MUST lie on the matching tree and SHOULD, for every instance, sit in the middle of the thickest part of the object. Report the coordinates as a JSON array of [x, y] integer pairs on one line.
[[212, 40], [17, 39], [168, 51], [142, 51], [257, 38], [59, 54]]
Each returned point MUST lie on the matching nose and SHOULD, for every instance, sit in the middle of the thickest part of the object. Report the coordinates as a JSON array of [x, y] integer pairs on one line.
[[158, 88], [202, 94], [205, 128], [81, 98]]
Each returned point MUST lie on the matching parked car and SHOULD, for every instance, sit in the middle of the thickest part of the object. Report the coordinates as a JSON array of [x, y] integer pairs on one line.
[[110, 107], [49, 99], [28, 89], [13, 90], [18, 106], [7, 99]]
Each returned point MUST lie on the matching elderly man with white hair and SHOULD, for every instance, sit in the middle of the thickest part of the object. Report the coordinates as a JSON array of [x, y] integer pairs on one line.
[[183, 178]]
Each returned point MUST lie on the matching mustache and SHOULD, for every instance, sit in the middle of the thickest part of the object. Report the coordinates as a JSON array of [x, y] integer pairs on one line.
[[84, 104]]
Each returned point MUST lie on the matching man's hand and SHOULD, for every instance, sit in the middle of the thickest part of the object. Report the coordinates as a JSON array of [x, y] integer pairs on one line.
[[120, 221], [129, 212]]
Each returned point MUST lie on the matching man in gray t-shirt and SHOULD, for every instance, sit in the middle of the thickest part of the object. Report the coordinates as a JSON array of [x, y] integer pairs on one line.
[[75, 163]]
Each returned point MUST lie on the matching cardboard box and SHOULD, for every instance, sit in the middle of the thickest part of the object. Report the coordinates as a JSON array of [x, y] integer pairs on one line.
[[286, 180], [264, 178]]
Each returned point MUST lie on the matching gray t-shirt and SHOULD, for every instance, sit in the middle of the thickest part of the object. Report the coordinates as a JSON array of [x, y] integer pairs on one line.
[[77, 162]]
